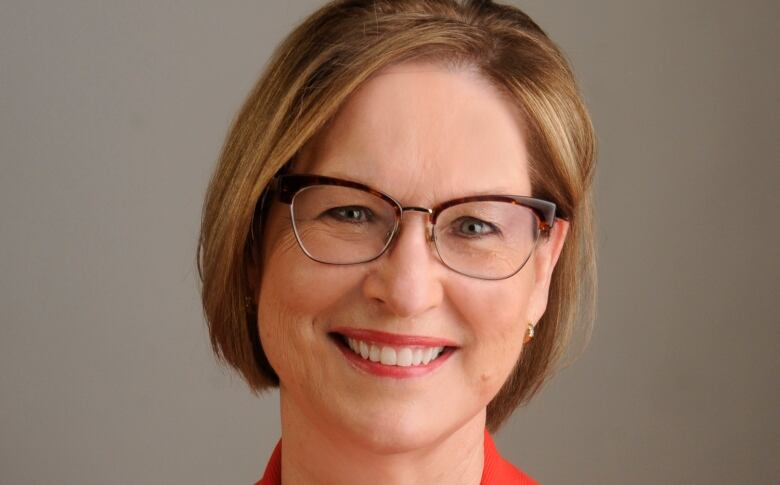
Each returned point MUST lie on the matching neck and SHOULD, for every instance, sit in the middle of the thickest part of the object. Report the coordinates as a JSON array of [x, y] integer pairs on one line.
[[314, 453]]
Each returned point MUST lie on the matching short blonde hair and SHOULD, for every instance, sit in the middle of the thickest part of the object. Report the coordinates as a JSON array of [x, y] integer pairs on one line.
[[311, 75]]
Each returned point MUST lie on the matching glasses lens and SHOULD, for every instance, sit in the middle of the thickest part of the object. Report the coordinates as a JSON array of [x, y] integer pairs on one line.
[[486, 239], [342, 225]]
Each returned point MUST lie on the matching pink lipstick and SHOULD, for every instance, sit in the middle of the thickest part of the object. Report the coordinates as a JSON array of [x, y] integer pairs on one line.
[[392, 355]]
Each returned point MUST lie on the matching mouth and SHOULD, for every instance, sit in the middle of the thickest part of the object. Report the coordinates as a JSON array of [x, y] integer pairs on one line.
[[387, 354]]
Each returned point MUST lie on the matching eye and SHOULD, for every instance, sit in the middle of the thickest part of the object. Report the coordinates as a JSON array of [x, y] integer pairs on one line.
[[471, 227], [352, 214]]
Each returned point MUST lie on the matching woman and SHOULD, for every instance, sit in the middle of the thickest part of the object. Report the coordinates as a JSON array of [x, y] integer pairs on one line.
[[397, 235]]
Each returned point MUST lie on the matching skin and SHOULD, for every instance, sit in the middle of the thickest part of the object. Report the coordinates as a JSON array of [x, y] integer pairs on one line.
[[423, 134]]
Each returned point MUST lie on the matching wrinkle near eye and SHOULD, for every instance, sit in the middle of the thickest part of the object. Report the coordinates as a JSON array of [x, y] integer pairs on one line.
[[283, 244]]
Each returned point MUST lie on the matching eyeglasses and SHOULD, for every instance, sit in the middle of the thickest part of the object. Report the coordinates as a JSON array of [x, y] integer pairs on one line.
[[342, 222]]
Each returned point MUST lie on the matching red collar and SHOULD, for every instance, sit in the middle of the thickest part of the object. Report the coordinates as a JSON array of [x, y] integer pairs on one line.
[[496, 470]]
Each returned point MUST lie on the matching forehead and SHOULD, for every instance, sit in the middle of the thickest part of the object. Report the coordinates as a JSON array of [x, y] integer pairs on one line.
[[424, 133]]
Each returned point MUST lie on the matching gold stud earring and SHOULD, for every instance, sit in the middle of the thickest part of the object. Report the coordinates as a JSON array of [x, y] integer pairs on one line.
[[530, 333]]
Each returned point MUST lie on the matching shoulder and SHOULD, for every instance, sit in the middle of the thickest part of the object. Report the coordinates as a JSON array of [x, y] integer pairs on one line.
[[498, 471]]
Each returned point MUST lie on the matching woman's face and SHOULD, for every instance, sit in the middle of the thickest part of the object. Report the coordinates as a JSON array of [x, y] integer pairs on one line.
[[422, 134]]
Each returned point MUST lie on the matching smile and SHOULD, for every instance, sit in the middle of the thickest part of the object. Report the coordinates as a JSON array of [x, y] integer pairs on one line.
[[392, 355], [388, 355]]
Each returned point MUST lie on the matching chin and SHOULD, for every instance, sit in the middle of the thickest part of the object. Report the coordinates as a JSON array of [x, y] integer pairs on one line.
[[393, 440], [388, 432]]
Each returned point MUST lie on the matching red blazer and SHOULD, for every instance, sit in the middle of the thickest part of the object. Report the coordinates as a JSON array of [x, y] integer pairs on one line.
[[496, 470]]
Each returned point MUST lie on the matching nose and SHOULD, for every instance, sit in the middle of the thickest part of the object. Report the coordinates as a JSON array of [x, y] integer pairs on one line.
[[406, 279]]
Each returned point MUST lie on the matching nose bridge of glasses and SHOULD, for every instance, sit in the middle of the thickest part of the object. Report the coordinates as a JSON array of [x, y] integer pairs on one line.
[[424, 210], [428, 219]]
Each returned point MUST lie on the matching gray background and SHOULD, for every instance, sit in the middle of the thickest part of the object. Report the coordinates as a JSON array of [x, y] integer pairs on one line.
[[112, 115]]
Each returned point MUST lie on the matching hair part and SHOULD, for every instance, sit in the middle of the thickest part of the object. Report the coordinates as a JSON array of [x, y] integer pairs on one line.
[[319, 65]]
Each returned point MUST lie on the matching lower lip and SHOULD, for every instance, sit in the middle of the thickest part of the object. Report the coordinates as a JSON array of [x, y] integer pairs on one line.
[[395, 371]]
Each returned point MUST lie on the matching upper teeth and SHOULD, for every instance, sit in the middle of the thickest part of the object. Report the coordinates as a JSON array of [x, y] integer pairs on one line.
[[387, 355]]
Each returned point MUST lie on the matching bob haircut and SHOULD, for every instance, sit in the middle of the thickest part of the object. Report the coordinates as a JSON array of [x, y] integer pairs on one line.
[[308, 79]]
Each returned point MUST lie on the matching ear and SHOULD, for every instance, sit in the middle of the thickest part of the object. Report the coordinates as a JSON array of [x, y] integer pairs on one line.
[[545, 258]]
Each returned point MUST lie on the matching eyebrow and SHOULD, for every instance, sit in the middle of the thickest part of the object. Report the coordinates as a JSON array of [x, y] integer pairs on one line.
[[497, 191]]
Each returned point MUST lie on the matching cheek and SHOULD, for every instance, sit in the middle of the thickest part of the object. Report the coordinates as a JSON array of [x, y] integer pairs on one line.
[[495, 316], [302, 288], [281, 320], [295, 295], [291, 282]]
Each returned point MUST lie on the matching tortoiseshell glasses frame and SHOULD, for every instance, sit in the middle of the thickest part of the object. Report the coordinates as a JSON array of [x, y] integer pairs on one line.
[[286, 187]]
